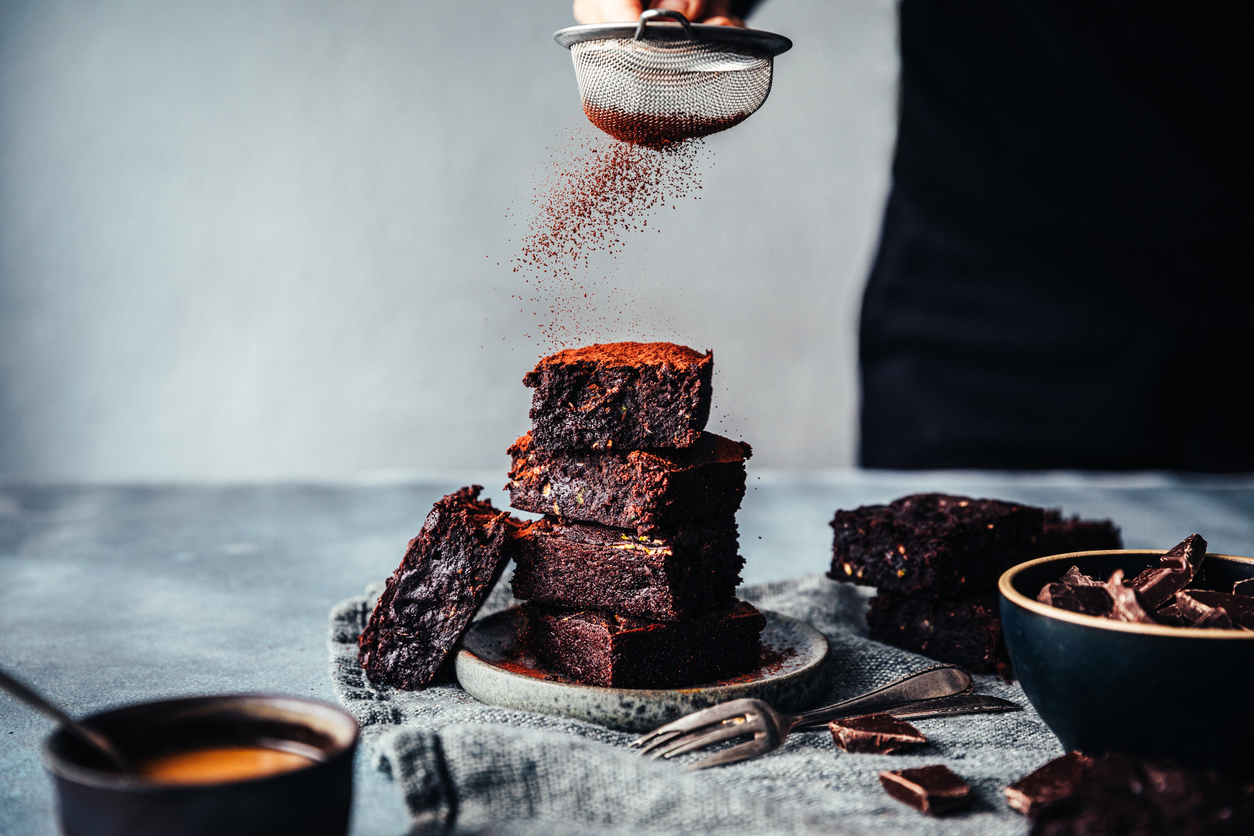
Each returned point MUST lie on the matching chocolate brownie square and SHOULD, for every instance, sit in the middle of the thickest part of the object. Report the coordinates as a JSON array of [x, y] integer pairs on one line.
[[1061, 535], [620, 396], [620, 651], [645, 490], [429, 601], [662, 577], [932, 544], [963, 631]]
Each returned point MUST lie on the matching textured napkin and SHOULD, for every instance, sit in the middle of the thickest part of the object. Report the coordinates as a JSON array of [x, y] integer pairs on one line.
[[468, 767]]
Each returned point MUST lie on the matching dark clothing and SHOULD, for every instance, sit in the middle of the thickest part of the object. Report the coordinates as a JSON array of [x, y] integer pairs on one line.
[[1064, 276]]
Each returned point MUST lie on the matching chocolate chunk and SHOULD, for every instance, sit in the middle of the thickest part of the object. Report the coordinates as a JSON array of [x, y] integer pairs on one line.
[[432, 596], [1175, 570], [1196, 614], [876, 734], [1055, 781], [1240, 608], [1245, 587], [1087, 600], [1121, 794], [1128, 606], [1074, 577], [929, 789]]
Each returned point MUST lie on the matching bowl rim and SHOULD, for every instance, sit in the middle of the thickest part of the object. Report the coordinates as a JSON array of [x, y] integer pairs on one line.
[[68, 770], [1005, 586]]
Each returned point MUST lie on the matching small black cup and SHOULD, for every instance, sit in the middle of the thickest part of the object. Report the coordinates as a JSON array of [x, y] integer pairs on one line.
[[1145, 689], [315, 800]]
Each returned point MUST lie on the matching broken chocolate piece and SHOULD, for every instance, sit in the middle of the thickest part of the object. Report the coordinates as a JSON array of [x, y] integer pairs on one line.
[[1240, 608], [1245, 587], [1087, 600], [1053, 782], [876, 734], [1074, 577], [1127, 606], [1127, 795], [1173, 573], [1196, 614], [929, 789]]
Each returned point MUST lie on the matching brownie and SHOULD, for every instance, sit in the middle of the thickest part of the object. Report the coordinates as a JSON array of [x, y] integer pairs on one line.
[[963, 631], [1061, 535], [432, 596], [662, 577], [620, 651], [620, 396], [645, 490], [1121, 794], [933, 544]]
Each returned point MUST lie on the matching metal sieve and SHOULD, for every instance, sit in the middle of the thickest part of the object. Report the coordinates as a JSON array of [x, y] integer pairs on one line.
[[654, 83]]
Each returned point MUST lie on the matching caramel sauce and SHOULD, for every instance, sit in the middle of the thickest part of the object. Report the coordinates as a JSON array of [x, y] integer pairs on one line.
[[219, 764]]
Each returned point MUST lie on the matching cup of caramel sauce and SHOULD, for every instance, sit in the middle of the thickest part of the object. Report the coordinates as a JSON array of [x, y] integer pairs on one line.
[[238, 764]]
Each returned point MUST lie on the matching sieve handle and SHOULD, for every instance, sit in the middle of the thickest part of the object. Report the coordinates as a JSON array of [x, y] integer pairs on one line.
[[654, 14]]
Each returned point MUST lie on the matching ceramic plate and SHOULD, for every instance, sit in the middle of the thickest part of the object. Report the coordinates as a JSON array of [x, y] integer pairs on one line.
[[493, 669]]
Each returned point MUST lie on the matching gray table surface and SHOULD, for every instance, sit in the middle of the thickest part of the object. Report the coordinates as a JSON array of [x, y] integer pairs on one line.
[[118, 593]]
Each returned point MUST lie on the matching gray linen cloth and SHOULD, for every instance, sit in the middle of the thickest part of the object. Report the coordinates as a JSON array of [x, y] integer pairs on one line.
[[468, 767]]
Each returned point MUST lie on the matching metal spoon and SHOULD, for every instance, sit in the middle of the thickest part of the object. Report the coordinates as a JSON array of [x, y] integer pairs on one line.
[[84, 733]]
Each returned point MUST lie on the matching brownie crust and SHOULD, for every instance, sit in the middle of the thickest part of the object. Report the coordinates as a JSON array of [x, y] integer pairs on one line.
[[1061, 535], [693, 570], [618, 651], [932, 544], [620, 396], [963, 631], [429, 601], [644, 490]]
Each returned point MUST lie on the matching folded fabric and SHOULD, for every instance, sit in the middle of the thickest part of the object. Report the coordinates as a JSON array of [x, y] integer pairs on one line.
[[463, 766]]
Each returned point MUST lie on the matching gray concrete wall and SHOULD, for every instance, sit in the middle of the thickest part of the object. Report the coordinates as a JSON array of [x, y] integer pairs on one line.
[[247, 239]]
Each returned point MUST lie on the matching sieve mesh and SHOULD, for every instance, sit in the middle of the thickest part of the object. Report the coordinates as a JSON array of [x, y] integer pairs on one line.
[[658, 91]]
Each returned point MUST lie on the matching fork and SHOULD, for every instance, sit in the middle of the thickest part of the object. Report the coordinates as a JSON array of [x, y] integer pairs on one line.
[[940, 691]]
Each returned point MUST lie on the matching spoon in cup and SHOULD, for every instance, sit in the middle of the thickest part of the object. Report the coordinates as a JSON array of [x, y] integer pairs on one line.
[[85, 733]]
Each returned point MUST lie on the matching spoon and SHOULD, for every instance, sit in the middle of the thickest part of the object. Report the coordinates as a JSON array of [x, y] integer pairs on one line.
[[84, 733]]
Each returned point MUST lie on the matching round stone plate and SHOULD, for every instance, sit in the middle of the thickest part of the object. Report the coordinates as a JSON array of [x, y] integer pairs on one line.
[[493, 669]]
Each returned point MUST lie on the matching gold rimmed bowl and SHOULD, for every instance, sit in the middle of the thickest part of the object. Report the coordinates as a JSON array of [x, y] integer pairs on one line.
[[1146, 689]]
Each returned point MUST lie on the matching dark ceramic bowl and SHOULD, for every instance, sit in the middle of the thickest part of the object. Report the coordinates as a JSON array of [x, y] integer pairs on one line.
[[1150, 690], [95, 800]]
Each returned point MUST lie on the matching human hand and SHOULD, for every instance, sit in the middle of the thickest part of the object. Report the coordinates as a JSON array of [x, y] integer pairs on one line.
[[622, 11]]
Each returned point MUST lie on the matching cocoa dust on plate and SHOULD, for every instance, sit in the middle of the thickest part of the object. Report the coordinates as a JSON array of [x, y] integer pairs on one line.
[[599, 191]]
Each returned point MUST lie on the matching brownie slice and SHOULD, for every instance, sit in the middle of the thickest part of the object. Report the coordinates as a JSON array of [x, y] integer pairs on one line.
[[661, 577], [619, 651], [1061, 535], [933, 544], [963, 631], [430, 599], [645, 490], [620, 396]]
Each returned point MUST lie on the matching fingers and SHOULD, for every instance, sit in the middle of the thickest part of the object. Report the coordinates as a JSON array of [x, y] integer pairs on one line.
[[694, 10], [607, 11]]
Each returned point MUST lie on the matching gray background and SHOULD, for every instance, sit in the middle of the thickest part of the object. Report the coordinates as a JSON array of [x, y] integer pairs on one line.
[[247, 240]]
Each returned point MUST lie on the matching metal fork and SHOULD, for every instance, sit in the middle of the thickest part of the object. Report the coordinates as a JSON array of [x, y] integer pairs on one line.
[[935, 692]]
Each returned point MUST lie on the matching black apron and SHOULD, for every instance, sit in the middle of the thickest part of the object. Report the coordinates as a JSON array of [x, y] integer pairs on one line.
[[1064, 275]]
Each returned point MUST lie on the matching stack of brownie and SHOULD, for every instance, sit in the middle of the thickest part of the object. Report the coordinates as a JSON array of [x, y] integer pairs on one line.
[[630, 577], [935, 560]]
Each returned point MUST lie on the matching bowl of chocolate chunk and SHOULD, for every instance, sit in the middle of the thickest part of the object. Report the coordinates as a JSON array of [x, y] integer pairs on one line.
[[1138, 651]]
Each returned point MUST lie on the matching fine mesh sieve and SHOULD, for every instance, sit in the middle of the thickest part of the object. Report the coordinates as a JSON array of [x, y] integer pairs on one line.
[[653, 83]]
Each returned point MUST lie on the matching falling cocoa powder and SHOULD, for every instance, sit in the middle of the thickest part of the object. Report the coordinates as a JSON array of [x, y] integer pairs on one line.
[[599, 192], [656, 130]]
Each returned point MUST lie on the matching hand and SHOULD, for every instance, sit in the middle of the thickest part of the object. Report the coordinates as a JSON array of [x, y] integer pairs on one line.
[[623, 11]]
